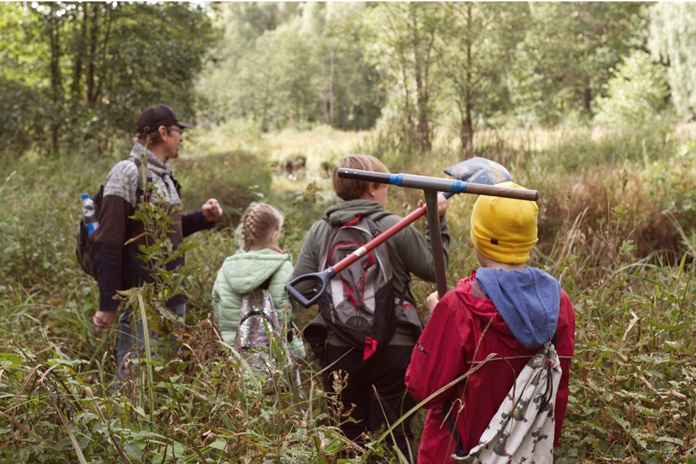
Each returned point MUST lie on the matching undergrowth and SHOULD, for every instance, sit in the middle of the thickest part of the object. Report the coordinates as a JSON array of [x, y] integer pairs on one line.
[[617, 221]]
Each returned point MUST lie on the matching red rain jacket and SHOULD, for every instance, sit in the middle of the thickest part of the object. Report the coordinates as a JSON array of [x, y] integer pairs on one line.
[[445, 351]]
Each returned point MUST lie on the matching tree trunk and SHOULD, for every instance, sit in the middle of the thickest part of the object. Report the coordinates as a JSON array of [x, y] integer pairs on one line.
[[423, 128], [407, 98], [92, 57], [56, 78], [101, 72], [331, 90], [467, 124], [74, 105], [324, 97], [296, 89], [423, 39], [76, 87], [468, 132], [265, 105]]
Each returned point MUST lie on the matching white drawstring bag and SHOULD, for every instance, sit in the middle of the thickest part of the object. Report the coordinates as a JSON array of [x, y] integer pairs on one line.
[[522, 430]]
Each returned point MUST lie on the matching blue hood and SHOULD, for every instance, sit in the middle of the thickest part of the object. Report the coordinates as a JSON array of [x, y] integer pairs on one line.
[[528, 300]]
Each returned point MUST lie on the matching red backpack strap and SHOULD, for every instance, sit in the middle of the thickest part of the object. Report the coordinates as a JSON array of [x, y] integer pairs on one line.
[[352, 221]]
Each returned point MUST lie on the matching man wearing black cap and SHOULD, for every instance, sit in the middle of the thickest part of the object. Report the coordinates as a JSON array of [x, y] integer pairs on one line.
[[116, 256]]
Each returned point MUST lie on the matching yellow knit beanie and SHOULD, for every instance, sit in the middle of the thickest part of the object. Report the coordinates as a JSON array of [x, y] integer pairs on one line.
[[504, 229]]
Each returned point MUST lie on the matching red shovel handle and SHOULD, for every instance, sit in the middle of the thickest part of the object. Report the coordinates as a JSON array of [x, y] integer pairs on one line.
[[322, 278]]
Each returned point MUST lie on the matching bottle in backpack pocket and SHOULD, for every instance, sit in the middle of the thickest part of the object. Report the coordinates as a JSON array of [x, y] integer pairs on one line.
[[89, 214]]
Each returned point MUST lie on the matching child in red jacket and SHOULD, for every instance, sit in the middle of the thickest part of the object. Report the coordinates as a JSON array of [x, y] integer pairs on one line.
[[504, 308]]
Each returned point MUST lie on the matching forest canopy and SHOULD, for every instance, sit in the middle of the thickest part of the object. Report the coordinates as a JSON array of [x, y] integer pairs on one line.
[[74, 74]]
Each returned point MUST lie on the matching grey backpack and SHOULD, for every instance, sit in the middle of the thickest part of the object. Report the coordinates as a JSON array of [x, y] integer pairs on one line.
[[258, 327], [262, 340], [358, 304]]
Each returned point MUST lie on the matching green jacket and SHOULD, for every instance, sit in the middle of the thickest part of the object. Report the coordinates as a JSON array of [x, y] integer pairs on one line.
[[243, 272], [409, 253]]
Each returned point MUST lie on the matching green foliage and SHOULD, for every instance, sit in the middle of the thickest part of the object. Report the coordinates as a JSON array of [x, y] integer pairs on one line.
[[562, 64], [30, 229], [350, 99], [293, 69], [90, 68], [22, 59], [219, 175], [475, 61], [584, 150], [158, 255], [401, 45], [636, 94], [275, 79], [75, 75], [672, 37], [671, 184], [632, 379], [174, 416], [595, 175]]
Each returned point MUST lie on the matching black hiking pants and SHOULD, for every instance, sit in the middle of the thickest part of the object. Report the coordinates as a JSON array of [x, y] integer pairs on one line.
[[383, 372]]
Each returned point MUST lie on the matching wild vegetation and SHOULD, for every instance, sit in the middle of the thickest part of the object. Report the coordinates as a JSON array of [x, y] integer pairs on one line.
[[588, 103], [632, 385]]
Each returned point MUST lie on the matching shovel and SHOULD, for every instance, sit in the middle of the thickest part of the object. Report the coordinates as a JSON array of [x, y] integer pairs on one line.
[[479, 169]]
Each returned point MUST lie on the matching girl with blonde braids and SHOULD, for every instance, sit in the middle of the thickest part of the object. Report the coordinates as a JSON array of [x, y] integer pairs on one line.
[[258, 262]]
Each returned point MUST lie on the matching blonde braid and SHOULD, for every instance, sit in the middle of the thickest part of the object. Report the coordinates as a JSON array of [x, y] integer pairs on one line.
[[259, 222], [249, 229]]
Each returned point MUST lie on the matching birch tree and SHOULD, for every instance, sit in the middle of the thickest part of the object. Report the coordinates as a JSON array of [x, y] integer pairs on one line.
[[401, 46], [475, 60]]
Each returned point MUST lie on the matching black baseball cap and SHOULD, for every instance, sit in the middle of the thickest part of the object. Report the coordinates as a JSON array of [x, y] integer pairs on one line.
[[158, 115]]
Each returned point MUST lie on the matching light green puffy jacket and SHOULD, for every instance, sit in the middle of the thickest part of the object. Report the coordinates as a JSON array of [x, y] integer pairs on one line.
[[243, 272]]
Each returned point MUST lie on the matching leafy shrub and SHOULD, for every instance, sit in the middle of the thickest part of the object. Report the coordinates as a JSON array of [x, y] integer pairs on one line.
[[233, 178], [632, 379], [24, 119], [637, 94], [671, 184]]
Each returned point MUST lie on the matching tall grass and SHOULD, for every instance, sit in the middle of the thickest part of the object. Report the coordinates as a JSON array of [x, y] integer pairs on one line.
[[608, 211]]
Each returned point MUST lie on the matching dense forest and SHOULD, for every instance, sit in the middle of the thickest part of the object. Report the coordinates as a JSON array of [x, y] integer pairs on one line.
[[592, 104], [73, 74]]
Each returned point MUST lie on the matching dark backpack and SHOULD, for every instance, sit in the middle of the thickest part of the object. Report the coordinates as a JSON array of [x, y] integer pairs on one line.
[[85, 242], [359, 303]]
